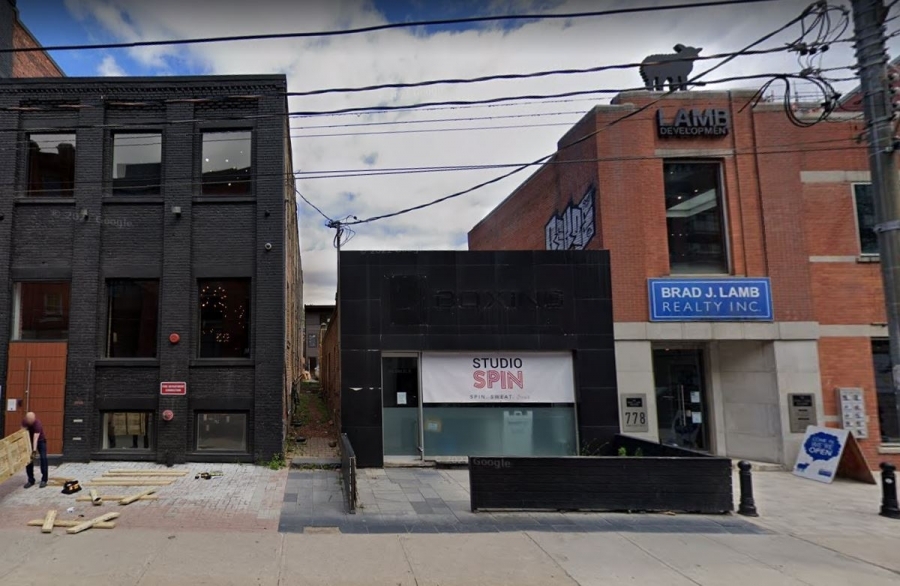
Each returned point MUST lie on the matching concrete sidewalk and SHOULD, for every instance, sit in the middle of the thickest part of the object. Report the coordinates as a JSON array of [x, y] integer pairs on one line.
[[147, 557]]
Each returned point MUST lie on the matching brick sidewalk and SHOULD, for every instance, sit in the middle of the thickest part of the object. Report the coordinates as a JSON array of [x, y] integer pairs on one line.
[[246, 498], [424, 500]]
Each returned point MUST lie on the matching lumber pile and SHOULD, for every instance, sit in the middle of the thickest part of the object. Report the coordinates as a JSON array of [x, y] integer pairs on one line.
[[137, 477], [15, 454], [49, 522]]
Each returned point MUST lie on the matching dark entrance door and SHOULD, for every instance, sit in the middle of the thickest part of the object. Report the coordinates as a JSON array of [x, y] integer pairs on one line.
[[681, 404], [400, 406]]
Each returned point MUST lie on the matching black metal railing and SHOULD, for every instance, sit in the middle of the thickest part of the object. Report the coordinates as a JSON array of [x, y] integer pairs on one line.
[[348, 473]]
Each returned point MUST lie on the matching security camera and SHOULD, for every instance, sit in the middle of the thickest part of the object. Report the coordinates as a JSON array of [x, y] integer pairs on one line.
[[268, 246]]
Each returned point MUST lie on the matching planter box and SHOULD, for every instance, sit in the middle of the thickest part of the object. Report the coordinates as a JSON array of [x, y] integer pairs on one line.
[[664, 479]]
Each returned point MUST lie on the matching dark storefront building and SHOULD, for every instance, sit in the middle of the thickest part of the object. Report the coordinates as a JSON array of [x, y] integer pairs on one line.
[[448, 354], [149, 266]]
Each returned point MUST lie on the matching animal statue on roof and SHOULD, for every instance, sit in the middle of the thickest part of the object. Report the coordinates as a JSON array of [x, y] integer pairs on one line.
[[673, 68]]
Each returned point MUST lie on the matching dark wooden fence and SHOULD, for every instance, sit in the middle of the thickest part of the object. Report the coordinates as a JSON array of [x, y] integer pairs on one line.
[[663, 478], [348, 473]]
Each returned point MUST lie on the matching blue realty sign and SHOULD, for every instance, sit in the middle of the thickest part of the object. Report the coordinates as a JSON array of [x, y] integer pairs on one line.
[[821, 453], [736, 299]]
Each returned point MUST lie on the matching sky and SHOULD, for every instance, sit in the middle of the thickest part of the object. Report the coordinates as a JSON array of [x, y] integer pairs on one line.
[[500, 134]]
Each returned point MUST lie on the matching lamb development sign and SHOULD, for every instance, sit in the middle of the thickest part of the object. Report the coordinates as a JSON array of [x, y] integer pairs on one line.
[[692, 123]]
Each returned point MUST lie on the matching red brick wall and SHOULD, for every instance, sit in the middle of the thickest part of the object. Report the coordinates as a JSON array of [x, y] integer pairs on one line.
[[775, 221], [519, 222], [32, 63], [330, 366], [849, 364]]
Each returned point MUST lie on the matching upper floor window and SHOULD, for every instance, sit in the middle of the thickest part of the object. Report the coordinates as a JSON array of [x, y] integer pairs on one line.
[[865, 218], [225, 318], [137, 163], [227, 163], [41, 311], [694, 221], [132, 323], [51, 165]]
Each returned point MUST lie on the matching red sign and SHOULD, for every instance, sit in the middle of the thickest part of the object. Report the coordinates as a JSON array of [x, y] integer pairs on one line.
[[173, 388]]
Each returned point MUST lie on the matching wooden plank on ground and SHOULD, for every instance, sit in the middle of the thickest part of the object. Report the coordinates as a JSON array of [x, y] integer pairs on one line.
[[129, 482], [64, 524], [47, 527], [142, 471], [15, 454], [138, 496], [55, 481], [168, 480], [88, 524], [116, 497]]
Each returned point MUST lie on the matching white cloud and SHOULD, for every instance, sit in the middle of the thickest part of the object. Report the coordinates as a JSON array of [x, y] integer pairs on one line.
[[402, 56], [109, 68]]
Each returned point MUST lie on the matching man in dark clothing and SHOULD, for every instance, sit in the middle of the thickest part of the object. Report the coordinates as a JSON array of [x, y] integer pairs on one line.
[[38, 448]]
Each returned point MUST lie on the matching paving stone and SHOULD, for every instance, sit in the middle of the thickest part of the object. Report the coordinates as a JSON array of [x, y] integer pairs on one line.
[[422, 508]]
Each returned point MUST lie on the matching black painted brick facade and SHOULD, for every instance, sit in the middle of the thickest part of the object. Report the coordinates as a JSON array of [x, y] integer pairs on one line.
[[373, 319], [140, 237]]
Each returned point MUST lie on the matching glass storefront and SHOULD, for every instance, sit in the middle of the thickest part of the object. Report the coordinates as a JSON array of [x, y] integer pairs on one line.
[[499, 430], [456, 405]]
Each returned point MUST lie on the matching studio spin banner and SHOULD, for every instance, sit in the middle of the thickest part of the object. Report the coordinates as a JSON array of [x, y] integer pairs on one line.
[[526, 377]]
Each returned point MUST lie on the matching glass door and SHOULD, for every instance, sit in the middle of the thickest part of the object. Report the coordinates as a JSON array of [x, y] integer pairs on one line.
[[681, 398], [400, 407]]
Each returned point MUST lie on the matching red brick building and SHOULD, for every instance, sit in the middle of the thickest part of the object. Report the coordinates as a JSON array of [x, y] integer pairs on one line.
[[701, 186], [14, 34]]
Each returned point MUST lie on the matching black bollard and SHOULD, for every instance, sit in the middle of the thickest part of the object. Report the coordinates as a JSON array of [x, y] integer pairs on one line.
[[889, 506], [747, 506]]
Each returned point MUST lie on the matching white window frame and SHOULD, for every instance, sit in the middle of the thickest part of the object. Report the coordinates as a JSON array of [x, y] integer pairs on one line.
[[17, 312]]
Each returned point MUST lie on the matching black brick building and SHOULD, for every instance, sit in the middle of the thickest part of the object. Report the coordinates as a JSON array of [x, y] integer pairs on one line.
[[148, 234], [446, 354]]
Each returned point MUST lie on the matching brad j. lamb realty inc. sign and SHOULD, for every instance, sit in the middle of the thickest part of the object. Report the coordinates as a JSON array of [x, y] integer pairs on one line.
[[690, 123]]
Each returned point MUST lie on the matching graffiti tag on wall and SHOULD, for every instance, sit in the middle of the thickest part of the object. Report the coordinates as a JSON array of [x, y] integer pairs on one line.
[[573, 228]]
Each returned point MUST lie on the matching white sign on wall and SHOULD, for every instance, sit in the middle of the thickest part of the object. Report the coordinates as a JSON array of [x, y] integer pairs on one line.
[[484, 377], [820, 453]]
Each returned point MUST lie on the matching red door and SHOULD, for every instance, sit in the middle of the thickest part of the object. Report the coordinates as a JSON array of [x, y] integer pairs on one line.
[[36, 381]]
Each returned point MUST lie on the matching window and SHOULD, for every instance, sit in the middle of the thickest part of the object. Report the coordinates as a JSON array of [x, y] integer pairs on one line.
[[41, 311], [227, 163], [888, 398], [127, 430], [51, 165], [137, 163], [225, 318], [312, 341], [222, 432], [865, 218], [694, 218], [132, 319]]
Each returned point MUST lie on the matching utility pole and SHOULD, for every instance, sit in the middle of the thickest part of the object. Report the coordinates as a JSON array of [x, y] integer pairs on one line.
[[872, 59]]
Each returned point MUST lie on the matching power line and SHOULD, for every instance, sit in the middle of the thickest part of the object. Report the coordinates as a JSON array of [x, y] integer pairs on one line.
[[349, 173], [801, 18], [32, 197], [139, 128], [142, 126], [381, 27], [509, 76]]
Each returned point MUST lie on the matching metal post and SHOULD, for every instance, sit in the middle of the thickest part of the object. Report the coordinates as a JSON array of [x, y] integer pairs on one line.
[[747, 506], [871, 54], [889, 505]]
